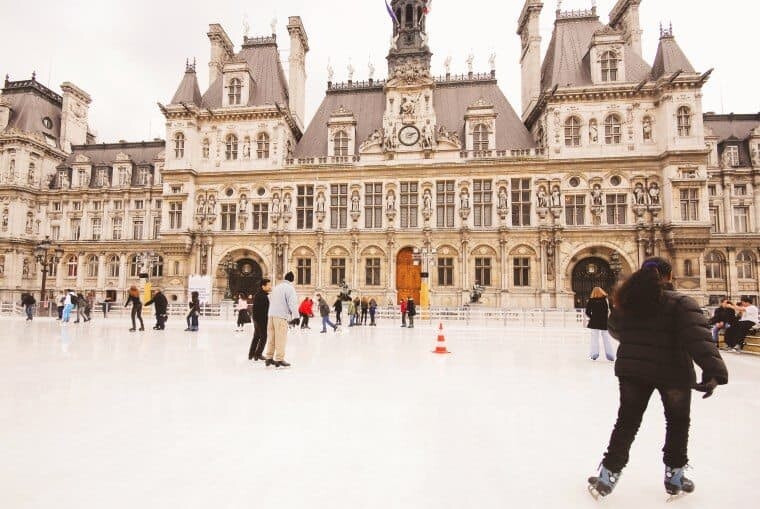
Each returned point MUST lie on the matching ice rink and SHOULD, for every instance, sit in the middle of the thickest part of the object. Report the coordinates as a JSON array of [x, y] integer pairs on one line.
[[95, 416]]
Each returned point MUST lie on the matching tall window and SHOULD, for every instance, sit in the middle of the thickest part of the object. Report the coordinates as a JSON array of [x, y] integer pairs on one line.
[[260, 217], [303, 269], [684, 121], [139, 204], [689, 204], [744, 265], [444, 197], [409, 204], [156, 226], [142, 176], [175, 215], [340, 144], [520, 202], [157, 268], [92, 266], [445, 271], [733, 155], [262, 146], [714, 265], [609, 66], [482, 202], [76, 229], [55, 232], [206, 148], [179, 145], [97, 228], [740, 189], [572, 132], [234, 90], [372, 272], [741, 219], [137, 229], [134, 267], [229, 216], [483, 271], [688, 269], [123, 176], [52, 269], [117, 223], [305, 208], [338, 206], [616, 209], [480, 138], [612, 130], [521, 269], [373, 205], [101, 178], [72, 266], [232, 147], [575, 209], [113, 266], [715, 222], [337, 271]]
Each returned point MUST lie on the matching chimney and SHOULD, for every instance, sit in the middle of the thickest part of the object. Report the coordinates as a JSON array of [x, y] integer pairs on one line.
[[530, 61], [222, 50], [625, 17], [299, 46], [74, 113]]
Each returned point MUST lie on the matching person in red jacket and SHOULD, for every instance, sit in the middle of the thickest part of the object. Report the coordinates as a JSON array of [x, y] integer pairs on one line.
[[403, 312], [306, 310]]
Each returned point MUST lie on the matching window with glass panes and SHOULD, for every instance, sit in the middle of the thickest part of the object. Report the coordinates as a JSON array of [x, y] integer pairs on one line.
[[114, 265], [337, 271], [303, 271], [616, 208], [373, 205], [142, 176], [92, 266], [482, 200], [175, 215], [123, 176], [715, 220], [612, 130], [76, 229], [55, 232], [101, 180], [229, 216], [483, 271], [521, 271], [689, 204], [741, 219], [572, 132], [134, 267], [740, 189], [305, 207], [117, 227], [714, 265], [744, 265], [445, 271], [72, 267], [521, 202], [409, 204], [156, 226], [97, 228], [157, 268], [444, 198], [372, 272], [733, 155], [137, 229], [575, 209], [260, 216], [338, 206]]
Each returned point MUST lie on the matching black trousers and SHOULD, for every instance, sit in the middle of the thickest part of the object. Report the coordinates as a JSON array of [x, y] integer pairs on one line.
[[634, 397], [364, 316], [161, 321], [259, 339], [736, 334], [137, 312], [337, 317], [304, 320]]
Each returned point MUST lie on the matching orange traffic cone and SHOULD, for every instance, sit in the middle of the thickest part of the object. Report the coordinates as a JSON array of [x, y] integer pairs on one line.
[[440, 344]]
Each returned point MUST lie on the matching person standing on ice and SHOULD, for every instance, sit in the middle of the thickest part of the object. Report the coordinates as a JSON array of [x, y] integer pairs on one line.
[[324, 312], [134, 299], [411, 311], [403, 312], [661, 333], [597, 311], [260, 316], [283, 308]]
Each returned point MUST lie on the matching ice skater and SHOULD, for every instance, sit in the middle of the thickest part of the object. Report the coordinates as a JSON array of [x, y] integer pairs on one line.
[[338, 307], [160, 305], [402, 308], [597, 311], [324, 312], [134, 299], [372, 310], [28, 301], [194, 311], [283, 308], [306, 311], [242, 313], [661, 333], [411, 311], [68, 305], [260, 316]]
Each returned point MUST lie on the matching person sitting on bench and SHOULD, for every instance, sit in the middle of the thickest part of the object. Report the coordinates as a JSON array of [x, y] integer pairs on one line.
[[747, 321]]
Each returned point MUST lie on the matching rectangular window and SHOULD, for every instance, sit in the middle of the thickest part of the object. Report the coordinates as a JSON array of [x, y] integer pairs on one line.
[[740, 189], [483, 271], [156, 227], [483, 203], [97, 205], [715, 220], [102, 177], [117, 225], [139, 204], [409, 202], [616, 209], [337, 271], [712, 190], [142, 176], [123, 176], [118, 205], [305, 208], [76, 205], [372, 277], [575, 210], [733, 155], [175, 215], [83, 180], [303, 268], [446, 271], [689, 204], [76, 229], [373, 205], [444, 200], [137, 229], [55, 232], [521, 202], [56, 206], [97, 228], [260, 217], [521, 272], [741, 219], [157, 204], [229, 216], [338, 206]]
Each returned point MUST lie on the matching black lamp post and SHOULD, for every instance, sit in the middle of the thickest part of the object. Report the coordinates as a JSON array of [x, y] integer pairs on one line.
[[616, 265], [229, 267], [47, 255]]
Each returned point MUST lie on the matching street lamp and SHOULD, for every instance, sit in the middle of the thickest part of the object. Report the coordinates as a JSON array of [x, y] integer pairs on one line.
[[616, 265], [229, 267], [47, 254], [425, 255]]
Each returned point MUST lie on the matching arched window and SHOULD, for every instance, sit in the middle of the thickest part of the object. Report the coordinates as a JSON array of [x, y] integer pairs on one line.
[[134, 267], [480, 138], [52, 270], [157, 270], [340, 144], [745, 262], [206, 148], [609, 66], [409, 16], [92, 266], [262, 146], [612, 130], [179, 145], [114, 266], [233, 91], [72, 266], [714, 265], [232, 147], [572, 132], [684, 121]]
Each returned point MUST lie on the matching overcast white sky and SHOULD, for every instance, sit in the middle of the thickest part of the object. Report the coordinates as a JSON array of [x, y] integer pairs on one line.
[[130, 55]]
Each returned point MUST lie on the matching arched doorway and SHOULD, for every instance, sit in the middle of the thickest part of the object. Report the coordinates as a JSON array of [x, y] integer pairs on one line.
[[245, 278], [408, 275], [590, 273]]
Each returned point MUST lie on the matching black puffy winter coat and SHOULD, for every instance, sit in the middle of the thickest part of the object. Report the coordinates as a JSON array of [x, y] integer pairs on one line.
[[662, 349], [597, 311]]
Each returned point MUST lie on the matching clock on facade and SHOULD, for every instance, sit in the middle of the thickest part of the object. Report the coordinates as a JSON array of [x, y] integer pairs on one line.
[[409, 135]]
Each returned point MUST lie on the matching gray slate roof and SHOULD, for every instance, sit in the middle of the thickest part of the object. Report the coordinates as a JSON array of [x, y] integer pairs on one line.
[[188, 91], [105, 153], [670, 58], [270, 85], [733, 130], [450, 101], [30, 102]]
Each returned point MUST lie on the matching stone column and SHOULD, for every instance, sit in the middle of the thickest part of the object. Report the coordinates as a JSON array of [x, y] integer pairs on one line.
[[101, 273], [321, 261], [728, 211], [355, 248], [123, 271], [391, 265], [504, 269], [732, 275], [80, 271], [703, 273]]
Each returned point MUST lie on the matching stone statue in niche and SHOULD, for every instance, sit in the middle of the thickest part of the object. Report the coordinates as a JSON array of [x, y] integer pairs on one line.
[[211, 207], [25, 269], [5, 220], [355, 201], [427, 137], [321, 202], [29, 222], [502, 197], [201, 209], [596, 195], [247, 148], [556, 199], [427, 200], [639, 195], [464, 199], [408, 106], [542, 200], [647, 129], [390, 201], [593, 131], [276, 203], [654, 194], [243, 205], [286, 203]]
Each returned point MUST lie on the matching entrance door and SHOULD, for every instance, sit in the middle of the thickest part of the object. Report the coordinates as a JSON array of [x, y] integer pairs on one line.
[[408, 276], [245, 279], [590, 273]]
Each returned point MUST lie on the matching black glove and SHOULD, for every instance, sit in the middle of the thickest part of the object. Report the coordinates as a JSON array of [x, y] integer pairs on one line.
[[706, 387]]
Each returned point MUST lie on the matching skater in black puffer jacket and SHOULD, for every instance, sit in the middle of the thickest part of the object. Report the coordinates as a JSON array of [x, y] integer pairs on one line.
[[662, 333]]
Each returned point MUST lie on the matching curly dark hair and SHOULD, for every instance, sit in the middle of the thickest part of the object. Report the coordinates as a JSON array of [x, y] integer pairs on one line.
[[641, 294]]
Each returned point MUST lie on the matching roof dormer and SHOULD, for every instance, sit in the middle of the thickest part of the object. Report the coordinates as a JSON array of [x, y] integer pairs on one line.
[[238, 84], [607, 57], [341, 129]]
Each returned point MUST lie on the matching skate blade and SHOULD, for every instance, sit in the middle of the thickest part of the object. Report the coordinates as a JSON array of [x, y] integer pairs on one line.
[[594, 493], [673, 498]]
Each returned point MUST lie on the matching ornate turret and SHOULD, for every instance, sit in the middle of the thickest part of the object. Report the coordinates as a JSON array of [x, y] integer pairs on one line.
[[409, 43]]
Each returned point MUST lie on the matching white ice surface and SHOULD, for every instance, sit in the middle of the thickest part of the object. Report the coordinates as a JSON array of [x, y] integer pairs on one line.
[[92, 416]]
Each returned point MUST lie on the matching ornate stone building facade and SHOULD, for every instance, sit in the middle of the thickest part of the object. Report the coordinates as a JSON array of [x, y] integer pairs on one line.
[[415, 185]]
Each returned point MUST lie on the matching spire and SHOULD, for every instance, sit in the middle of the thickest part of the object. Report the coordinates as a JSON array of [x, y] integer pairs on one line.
[[188, 91], [670, 57], [409, 42]]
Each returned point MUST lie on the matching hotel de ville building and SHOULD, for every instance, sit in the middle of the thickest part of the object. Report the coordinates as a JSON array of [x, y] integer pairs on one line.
[[398, 184]]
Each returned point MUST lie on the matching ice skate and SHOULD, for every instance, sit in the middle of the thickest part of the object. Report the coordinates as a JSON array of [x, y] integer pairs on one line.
[[281, 365], [270, 362], [676, 484], [602, 484]]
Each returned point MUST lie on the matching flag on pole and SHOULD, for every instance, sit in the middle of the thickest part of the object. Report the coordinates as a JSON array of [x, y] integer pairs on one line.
[[428, 7], [391, 13]]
